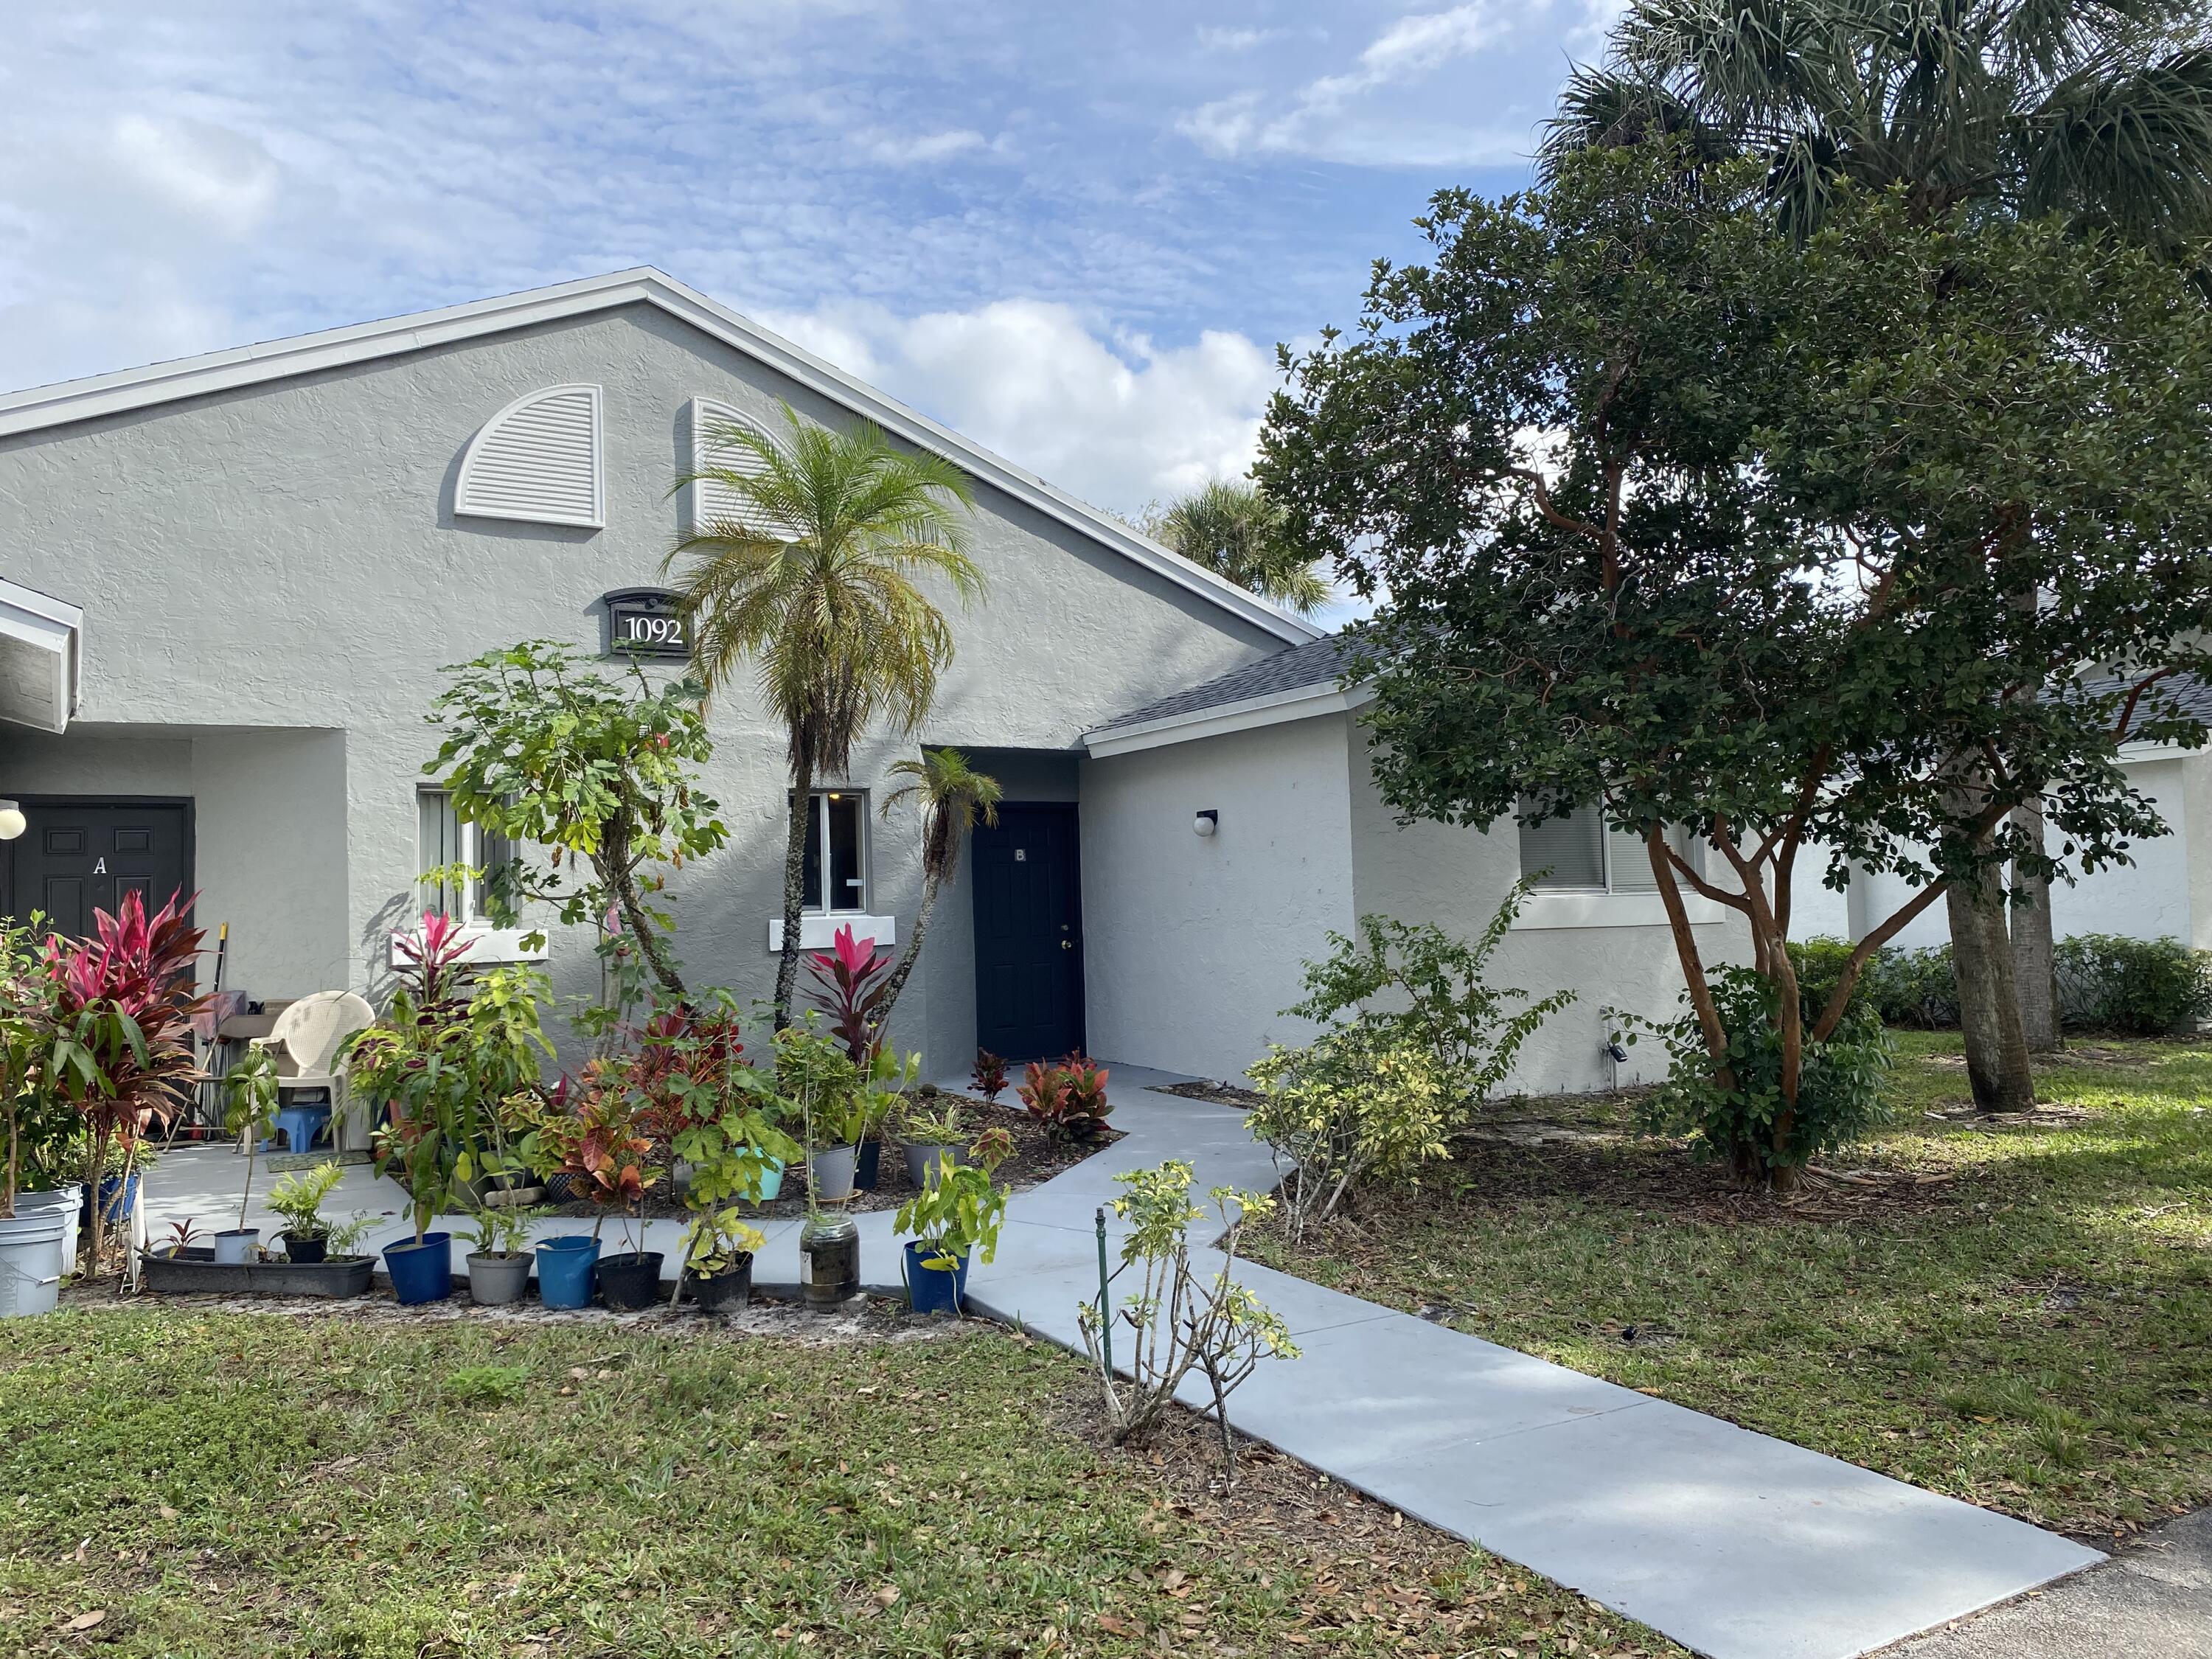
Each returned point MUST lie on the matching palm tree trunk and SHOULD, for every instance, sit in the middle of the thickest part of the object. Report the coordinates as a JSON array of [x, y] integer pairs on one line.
[[1989, 1011], [794, 885], [930, 887], [2034, 958]]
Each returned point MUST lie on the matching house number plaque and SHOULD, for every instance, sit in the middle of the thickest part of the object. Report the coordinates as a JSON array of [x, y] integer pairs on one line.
[[643, 622]]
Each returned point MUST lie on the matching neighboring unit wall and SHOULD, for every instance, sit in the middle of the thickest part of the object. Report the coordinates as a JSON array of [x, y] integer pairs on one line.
[[2164, 891], [1456, 878], [1194, 944]]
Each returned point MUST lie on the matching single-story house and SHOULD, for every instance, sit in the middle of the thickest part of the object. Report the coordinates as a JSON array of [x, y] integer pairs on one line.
[[228, 585]]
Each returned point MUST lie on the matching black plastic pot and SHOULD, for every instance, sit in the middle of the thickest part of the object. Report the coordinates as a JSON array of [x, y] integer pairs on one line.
[[631, 1279], [306, 1251], [731, 1288], [194, 1270], [867, 1166]]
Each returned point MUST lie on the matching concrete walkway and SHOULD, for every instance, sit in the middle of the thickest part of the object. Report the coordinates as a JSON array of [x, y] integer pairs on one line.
[[1733, 1544], [2155, 1599]]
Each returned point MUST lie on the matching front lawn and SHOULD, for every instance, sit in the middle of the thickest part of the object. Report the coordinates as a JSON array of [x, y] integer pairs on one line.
[[180, 1482], [2019, 1314]]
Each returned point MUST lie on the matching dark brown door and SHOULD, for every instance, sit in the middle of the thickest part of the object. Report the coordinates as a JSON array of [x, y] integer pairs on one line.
[[79, 855], [1029, 933]]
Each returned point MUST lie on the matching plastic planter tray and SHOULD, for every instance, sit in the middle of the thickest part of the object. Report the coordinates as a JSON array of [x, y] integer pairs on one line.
[[194, 1271]]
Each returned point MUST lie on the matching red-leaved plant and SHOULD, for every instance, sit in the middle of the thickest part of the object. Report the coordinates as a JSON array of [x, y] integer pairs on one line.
[[989, 1077], [1067, 1096], [436, 955], [849, 984], [123, 1008]]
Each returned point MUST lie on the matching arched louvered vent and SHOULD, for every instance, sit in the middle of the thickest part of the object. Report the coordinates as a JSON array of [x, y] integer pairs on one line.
[[537, 459], [705, 501]]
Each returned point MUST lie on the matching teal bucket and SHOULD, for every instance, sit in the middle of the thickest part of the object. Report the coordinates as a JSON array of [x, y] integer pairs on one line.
[[565, 1269]]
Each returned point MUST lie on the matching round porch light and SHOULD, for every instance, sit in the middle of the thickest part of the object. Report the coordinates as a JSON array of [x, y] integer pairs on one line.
[[1206, 823], [12, 821]]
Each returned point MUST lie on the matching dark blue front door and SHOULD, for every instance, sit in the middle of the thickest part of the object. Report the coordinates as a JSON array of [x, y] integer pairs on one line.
[[1029, 933]]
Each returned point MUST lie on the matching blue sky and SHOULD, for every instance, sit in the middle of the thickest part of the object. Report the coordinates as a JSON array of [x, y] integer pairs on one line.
[[1074, 232]]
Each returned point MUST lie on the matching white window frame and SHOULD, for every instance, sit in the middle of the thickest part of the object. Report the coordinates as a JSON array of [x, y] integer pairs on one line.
[[487, 943], [817, 926], [819, 827], [1609, 905]]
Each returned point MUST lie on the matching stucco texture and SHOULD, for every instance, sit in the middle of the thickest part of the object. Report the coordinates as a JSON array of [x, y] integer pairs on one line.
[[285, 559]]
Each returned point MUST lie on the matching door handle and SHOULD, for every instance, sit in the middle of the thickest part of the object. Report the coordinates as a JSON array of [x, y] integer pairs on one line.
[[1067, 945]]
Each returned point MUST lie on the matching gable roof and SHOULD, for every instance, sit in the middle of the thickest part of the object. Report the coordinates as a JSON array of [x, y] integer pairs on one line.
[[1291, 684], [40, 407]]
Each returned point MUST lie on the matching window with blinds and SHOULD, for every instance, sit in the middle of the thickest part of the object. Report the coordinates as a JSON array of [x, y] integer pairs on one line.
[[442, 842]]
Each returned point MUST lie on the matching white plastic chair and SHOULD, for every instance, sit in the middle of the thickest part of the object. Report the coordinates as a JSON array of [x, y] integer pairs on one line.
[[305, 1040]]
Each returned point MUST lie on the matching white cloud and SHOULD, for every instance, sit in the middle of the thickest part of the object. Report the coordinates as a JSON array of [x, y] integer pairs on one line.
[[920, 150], [1221, 40], [1115, 420], [1346, 117], [195, 169]]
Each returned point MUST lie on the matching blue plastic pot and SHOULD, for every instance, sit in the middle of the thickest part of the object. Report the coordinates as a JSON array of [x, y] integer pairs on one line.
[[771, 1181], [935, 1290], [422, 1273], [565, 1267], [119, 1202]]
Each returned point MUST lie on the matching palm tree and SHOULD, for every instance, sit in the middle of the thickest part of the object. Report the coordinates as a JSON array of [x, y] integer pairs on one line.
[[813, 575], [953, 796], [2099, 112], [1235, 532]]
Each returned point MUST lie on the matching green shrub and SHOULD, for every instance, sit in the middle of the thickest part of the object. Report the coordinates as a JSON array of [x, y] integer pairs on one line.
[[1820, 964], [1839, 1085], [1355, 1106], [2140, 987], [1917, 988]]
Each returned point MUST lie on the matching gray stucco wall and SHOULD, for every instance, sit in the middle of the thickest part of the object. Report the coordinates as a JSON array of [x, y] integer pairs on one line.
[[1193, 944], [285, 559]]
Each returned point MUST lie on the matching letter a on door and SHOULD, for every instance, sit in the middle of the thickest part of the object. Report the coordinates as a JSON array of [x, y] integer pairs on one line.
[[100, 868]]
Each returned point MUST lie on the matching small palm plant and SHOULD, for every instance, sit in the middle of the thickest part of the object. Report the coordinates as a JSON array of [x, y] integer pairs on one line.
[[815, 576], [954, 798]]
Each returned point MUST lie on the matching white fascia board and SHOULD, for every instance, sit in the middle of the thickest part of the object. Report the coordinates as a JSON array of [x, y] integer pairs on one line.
[[1299, 703], [2132, 754], [308, 354]]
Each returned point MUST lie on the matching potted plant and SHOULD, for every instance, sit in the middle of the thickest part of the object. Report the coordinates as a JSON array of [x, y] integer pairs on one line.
[[956, 1215], [35, 1234], [410, 1139], [298, 1199], [605, 1156], [817, 1079], [852, 985], [252, 1087], [499, 1262], [718, 1247], [932, 1137]]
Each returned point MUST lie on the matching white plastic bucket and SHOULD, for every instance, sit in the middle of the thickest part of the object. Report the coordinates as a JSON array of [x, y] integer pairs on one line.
[[70, 1201], [31, 1262]]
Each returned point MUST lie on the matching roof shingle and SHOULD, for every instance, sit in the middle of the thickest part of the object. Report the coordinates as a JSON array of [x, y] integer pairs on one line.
[[1318, 662]]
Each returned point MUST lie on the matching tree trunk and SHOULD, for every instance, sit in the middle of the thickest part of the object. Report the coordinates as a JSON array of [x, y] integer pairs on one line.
[[930, 887], [794, 885], [1989, 1011], [2034, 960]]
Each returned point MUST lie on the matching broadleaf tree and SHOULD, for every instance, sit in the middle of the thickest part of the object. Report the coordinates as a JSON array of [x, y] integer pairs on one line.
[[1676, 518]]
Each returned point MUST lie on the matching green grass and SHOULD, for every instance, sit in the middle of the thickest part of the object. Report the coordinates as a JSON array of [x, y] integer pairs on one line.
[[2029, 1328], [226, 1485]]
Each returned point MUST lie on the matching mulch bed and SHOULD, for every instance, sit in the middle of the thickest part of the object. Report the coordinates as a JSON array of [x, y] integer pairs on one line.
[[1037, 1156], [1221, 1094]]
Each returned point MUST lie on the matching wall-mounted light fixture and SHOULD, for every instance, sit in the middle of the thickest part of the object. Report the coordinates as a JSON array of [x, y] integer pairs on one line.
[[1206, 823], [12, 821]]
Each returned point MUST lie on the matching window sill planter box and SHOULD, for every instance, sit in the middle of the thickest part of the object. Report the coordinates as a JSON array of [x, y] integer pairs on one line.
[[193, 1271], [497, 1281], [630, 1280]]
